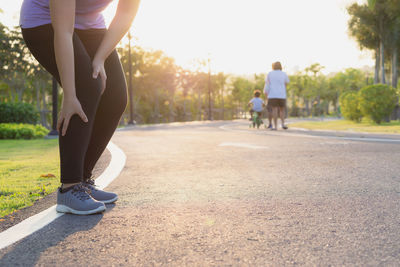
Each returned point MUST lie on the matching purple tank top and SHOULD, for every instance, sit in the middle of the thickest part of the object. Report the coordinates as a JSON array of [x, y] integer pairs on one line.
[[87, 15]]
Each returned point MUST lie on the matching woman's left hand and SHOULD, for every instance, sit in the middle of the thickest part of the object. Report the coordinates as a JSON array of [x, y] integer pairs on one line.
[[98, 69]]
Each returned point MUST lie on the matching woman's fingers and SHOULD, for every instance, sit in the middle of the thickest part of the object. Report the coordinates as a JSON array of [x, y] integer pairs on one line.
[[98, 69], [65, 121], [103, 77], [95, 73], [59, 122], [83, 116], [69, 109], [65, 125]]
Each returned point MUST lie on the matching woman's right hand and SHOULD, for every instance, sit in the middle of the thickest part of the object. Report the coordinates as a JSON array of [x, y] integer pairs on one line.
[[70, 107]]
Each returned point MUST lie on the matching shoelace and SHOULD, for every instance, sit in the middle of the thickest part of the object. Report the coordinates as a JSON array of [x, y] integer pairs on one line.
[[90, 181], [81, 192], [89, 184]]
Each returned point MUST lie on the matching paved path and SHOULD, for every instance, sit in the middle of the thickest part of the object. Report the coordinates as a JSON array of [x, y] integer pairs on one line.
[[222, 194]]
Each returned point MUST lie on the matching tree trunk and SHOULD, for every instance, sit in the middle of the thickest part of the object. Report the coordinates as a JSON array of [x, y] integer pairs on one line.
[[334, 106], [199, 107], [37, 96], [156, 108], [394, 68], [382, 50], [395, 113], [377, 65], [184, 108], [222, 102], [307, 104], [171, 110], [44, 110]]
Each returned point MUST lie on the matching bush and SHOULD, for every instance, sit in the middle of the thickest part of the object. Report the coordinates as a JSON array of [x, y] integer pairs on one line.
[[21, 131], [377, 101], [349, 106], [18, 113]]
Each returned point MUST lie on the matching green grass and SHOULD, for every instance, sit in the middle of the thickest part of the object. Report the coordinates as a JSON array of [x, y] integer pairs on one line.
[[22, 162], [392, 127]]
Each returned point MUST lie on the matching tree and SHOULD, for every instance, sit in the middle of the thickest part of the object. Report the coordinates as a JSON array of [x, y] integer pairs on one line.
[[242, 92], [393, 10], [376, 26], [377, 101], [364, 29]]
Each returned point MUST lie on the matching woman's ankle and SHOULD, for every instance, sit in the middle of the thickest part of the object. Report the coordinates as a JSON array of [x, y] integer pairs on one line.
[[68, 185]]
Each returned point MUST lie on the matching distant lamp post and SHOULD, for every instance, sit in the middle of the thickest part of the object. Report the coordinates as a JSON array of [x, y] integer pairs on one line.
[[54, 131], [130, 89], [209, 90]]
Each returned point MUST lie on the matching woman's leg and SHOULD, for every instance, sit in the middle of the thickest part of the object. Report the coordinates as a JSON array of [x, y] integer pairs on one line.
[[275, 116], [112, 102], [282, 114], [74, 144], [111, 107]]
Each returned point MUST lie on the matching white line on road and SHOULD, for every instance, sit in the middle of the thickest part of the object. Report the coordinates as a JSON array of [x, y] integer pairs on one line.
[[281, 133], [40, 220], [243, 145]]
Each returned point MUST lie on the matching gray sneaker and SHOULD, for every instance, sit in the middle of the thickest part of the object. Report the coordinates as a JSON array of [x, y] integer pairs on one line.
[[76, 200], [98, 194]]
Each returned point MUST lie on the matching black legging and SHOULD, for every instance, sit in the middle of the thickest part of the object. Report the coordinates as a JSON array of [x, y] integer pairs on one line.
[[83, 143]]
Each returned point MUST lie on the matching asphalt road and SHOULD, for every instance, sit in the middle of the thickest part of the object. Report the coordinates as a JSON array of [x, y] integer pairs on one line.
[[219, 193]]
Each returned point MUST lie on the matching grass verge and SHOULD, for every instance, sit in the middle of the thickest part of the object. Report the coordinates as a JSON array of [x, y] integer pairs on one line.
[[366, 126], [25, 166]]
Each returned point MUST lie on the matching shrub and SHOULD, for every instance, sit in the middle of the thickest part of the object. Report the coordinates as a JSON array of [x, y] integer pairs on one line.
[[349, 106], [21, 131], [377, 101], [18, 113]]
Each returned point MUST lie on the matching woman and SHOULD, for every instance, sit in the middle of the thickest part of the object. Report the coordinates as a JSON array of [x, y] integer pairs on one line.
[[70, 40], [275, 93]]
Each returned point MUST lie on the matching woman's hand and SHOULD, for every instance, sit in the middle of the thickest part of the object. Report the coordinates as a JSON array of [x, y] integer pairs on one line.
[[98, 69], [70, 106]]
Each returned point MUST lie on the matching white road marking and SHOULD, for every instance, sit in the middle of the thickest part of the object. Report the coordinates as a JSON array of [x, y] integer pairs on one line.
[[115, 167], [38, 221], [243, 145], [282, 133], [371, 139]]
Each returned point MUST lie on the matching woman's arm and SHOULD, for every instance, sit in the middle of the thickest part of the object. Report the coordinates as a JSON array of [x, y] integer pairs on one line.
[[63, 19], [266, 87], [126, 12]]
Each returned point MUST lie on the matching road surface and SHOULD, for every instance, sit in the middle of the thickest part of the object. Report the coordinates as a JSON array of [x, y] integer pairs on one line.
[[219, 193]]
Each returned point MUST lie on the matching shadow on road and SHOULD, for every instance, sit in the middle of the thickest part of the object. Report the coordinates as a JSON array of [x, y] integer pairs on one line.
[[28, 251]]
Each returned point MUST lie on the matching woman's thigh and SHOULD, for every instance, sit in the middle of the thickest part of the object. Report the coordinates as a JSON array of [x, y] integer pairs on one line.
[[40, 41]]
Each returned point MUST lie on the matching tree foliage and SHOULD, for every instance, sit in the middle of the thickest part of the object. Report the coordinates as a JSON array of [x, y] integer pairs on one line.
[[350, 106], [163, 91], [376, 26], [377, 101]]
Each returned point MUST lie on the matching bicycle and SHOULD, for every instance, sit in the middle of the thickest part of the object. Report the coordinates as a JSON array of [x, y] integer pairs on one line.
[[256, 120]]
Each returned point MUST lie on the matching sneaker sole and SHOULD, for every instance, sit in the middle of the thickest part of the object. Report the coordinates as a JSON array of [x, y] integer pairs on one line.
[[109, 201], [66, 209]]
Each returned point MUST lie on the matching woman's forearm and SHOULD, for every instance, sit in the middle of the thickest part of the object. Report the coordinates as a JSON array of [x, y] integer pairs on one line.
[[62, 19], [119, 26], [65, 63]]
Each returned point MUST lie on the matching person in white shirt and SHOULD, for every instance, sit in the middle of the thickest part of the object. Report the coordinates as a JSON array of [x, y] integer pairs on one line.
[[275, 93], [257, 104]]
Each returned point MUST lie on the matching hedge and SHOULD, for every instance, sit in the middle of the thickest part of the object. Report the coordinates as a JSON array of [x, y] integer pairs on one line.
[[18, 113], [377, 101], [350, 108], [21, 131]]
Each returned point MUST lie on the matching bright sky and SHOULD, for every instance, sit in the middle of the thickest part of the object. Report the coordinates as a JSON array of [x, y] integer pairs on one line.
[[243, 36]]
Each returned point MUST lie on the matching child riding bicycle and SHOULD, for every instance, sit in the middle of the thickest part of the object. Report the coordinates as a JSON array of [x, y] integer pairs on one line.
[[256, 103]]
